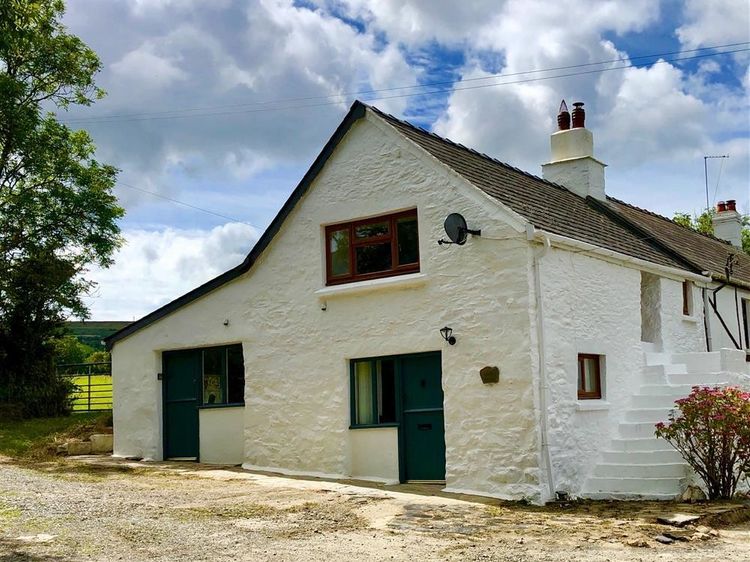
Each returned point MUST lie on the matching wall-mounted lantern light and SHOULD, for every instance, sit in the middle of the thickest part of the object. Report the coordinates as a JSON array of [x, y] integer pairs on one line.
[[448, 336]]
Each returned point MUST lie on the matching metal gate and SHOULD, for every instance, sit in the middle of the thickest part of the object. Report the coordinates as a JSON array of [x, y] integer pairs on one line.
[[93, 382]]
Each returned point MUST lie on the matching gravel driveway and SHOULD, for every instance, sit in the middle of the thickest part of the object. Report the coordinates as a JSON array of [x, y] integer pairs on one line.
[[134, 511]]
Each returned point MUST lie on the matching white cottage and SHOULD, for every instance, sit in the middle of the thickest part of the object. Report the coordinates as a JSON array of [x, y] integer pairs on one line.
[[327, 352]]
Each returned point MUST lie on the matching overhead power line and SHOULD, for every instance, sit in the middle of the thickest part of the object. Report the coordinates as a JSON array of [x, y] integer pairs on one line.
[[337, 99], [183, 203]]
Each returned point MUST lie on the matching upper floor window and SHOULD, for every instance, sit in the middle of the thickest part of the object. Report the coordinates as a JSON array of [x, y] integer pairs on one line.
[[371, 248]]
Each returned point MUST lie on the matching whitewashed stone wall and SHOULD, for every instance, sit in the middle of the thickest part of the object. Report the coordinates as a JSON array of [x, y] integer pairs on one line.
[[297, 354], [681, 333], [220, 435], [731, 312], [590, 306]]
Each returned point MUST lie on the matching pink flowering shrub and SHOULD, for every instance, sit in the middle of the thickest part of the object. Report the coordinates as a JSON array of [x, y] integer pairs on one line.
[[711, 430]]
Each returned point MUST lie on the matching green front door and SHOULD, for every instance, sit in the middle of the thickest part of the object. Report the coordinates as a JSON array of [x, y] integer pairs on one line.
[[423, 429], [181, 377]]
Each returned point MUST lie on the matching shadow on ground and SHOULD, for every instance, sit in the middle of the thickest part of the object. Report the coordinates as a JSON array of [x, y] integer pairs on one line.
[[12, 550]]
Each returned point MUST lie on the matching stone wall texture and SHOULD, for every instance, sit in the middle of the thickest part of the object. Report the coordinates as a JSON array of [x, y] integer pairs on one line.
[[297, 354]]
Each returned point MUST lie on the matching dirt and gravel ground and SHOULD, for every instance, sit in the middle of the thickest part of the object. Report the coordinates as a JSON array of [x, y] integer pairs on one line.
[[78, 510]]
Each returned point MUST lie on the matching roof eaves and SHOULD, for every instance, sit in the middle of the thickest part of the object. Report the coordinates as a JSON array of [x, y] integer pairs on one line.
[[356, 112]]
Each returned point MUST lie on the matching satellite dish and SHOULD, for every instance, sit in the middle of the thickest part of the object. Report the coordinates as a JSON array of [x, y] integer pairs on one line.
[[456, 229]]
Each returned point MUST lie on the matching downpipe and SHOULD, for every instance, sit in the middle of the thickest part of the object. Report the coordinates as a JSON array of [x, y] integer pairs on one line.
[[543, 419]]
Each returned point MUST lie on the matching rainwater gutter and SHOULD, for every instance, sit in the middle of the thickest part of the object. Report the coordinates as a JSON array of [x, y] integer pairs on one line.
[[532, 234]]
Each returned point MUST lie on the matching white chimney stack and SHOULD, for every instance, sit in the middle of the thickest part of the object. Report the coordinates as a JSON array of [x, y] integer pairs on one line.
[[728, 222], [573, 164]]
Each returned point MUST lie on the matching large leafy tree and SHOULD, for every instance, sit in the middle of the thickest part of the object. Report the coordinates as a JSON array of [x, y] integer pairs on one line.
[[58, 215]]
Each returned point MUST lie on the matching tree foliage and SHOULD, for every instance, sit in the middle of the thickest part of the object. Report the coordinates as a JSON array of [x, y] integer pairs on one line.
[[58, 215], [712, 433], [703, 223]]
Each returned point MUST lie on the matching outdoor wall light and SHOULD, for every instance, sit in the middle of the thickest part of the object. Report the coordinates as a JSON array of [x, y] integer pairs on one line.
[[448, 336]]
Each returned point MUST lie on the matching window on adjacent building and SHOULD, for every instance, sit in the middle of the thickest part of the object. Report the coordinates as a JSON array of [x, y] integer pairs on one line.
[[376, 247], [589, 376], [223, 375], [687, 298], [373, 392]]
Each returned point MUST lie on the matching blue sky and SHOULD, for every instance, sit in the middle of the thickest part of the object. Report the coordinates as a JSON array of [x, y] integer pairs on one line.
[[194, 90]]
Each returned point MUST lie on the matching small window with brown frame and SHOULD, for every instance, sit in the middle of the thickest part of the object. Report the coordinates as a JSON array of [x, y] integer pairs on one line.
[[589, 376], [687, 298], [372, 248]]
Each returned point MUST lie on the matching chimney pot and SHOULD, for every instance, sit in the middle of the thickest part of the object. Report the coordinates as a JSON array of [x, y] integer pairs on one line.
[[563, 117], [579, 115], [573, 164], [728, 222]]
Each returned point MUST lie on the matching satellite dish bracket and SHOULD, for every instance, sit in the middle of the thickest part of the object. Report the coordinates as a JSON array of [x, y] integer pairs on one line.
[[457, 231]]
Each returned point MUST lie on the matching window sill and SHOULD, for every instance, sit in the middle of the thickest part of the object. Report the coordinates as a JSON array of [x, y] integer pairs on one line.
[[221, 406], [592, 405], [690, 319], [384, 283], [375, 426]]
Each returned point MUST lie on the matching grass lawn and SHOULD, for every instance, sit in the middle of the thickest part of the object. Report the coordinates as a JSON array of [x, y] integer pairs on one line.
[[101, 392], [21, 438]]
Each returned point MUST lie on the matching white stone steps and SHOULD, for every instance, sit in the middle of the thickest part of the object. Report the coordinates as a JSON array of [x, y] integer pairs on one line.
[[659, 456], [647, 471], [637, 429], [641, 445], [699, 362], [663, 401], [636, 486], [675, 390], [699, 379], [637, 464], [651, 415]]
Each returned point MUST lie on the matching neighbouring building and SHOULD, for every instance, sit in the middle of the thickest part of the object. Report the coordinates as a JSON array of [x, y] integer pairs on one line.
[[532, 357]]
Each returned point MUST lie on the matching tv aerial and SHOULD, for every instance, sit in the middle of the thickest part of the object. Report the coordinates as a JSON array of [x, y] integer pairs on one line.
[[456, 230]]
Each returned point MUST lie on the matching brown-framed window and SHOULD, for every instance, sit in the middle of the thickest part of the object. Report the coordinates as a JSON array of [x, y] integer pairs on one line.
[[372, 248], [687, 298], [589, 376]]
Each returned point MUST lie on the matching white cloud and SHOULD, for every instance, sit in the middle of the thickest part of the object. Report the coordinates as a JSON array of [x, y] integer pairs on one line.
[[714, 22], [235, 57], [144, 69], [155, 267]]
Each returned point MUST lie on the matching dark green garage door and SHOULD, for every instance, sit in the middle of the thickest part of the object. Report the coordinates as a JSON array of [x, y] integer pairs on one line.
[[182, 375]]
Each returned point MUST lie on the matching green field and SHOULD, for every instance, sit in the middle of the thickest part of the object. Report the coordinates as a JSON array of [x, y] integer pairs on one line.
[[101, 392]]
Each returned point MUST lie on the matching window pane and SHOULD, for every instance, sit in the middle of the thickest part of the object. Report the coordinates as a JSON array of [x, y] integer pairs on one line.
[[338, 246], [589, 374], [235, 375], [364, 413], [214, 376], [372, 229], [373, 257], [386, 391], [408, 240]]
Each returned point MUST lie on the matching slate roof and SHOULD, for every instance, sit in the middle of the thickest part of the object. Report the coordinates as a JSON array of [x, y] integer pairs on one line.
[[707, 252], [613, 224], [550, 207]]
